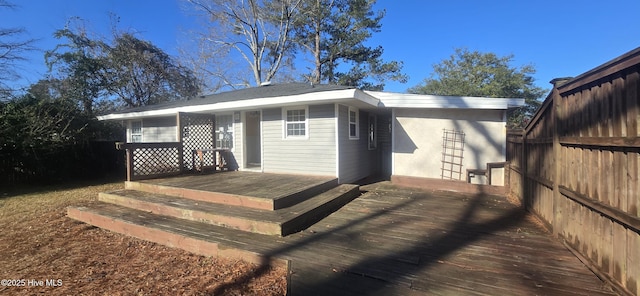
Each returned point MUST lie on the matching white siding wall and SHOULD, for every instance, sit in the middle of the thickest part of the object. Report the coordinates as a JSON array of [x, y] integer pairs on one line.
[[315, 155], [417, 139], [161, 129], [356, 161]]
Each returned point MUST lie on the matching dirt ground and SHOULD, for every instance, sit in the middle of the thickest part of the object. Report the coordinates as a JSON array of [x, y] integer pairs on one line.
[[44, 252]]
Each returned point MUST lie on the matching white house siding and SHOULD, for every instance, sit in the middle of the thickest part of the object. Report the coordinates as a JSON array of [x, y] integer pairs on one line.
[[356, 161], [160, 129], [315, 155], [417, 139]]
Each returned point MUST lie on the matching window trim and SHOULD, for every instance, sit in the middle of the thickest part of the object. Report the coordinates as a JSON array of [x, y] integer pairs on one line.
[[232, 132], [131, 134], [285, 122], [357, 123]]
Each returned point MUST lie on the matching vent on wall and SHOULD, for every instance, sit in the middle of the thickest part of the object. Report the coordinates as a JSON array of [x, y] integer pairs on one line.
[[452, 154]]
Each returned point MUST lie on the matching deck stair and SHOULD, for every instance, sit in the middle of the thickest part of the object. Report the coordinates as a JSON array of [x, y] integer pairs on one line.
[[279, 212]]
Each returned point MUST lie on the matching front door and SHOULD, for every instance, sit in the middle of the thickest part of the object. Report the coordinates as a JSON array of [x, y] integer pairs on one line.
[[252, 140]]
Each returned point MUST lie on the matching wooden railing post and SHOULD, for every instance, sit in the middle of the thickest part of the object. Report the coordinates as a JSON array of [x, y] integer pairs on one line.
[[129, 158], [130, 164]]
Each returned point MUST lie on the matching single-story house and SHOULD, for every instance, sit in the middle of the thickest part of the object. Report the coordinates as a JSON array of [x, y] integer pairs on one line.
[[331, 130]]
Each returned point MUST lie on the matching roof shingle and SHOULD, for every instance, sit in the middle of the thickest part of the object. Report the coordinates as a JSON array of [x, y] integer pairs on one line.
[[267, 91]]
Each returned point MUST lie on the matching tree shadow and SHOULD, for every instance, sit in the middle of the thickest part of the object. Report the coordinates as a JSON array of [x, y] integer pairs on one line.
[[430, 250], [369, 273]]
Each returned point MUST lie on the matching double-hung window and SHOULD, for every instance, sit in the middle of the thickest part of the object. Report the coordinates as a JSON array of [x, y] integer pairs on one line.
[[295, 122], [354, 132], [136, 131]]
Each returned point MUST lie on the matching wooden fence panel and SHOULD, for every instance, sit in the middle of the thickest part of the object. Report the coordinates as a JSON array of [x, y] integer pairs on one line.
[[576, 167]]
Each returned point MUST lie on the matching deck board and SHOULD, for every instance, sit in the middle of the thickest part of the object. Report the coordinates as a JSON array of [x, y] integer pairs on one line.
[[282, 221], [244, 183], [440, 243], [397, 241]]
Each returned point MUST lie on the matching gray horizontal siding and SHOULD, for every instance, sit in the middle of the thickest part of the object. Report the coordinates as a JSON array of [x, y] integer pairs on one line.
[[356, 161], [315, 155]]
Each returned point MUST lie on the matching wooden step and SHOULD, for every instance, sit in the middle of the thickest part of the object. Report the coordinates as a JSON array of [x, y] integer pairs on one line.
[[312, 210], [263, 199], [279, 222], [199, 238]]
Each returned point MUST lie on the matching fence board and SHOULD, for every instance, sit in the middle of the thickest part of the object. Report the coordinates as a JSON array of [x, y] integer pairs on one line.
[[608, 246], [619, 237], [633, 207], [576, 167], [606, 110], [633, 262]]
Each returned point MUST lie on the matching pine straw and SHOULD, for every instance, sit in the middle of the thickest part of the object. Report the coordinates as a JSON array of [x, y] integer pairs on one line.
[[38, 242]]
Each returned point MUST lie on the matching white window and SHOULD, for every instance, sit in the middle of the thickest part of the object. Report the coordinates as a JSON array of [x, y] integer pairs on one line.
[[136, 131], [224, 131], [354, 132], [295, 122]]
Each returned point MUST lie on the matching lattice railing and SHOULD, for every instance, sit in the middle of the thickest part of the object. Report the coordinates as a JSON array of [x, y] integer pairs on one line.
[[152, 160], [197, 132]]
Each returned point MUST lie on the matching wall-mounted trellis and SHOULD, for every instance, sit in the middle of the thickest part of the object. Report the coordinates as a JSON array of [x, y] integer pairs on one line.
[[452, 150], [197, 131]]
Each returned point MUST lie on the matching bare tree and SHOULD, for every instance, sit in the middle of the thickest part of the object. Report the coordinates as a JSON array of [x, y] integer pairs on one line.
[[12, 48], [258, 31], [211, 67]]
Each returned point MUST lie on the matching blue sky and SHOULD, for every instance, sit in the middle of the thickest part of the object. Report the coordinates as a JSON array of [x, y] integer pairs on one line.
[[560, 38]]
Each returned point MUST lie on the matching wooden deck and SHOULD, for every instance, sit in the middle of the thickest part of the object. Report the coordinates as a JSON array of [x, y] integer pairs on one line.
[[247, 189], [393, 241]]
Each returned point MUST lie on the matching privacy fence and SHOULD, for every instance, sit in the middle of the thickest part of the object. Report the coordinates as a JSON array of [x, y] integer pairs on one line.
[[576, 167], [84, 161]]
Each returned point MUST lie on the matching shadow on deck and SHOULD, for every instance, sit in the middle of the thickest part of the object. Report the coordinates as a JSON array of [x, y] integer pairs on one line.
[[388, 241]]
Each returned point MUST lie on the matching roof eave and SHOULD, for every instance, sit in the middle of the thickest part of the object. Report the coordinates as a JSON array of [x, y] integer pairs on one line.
[[399, 100], [332, 96]]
